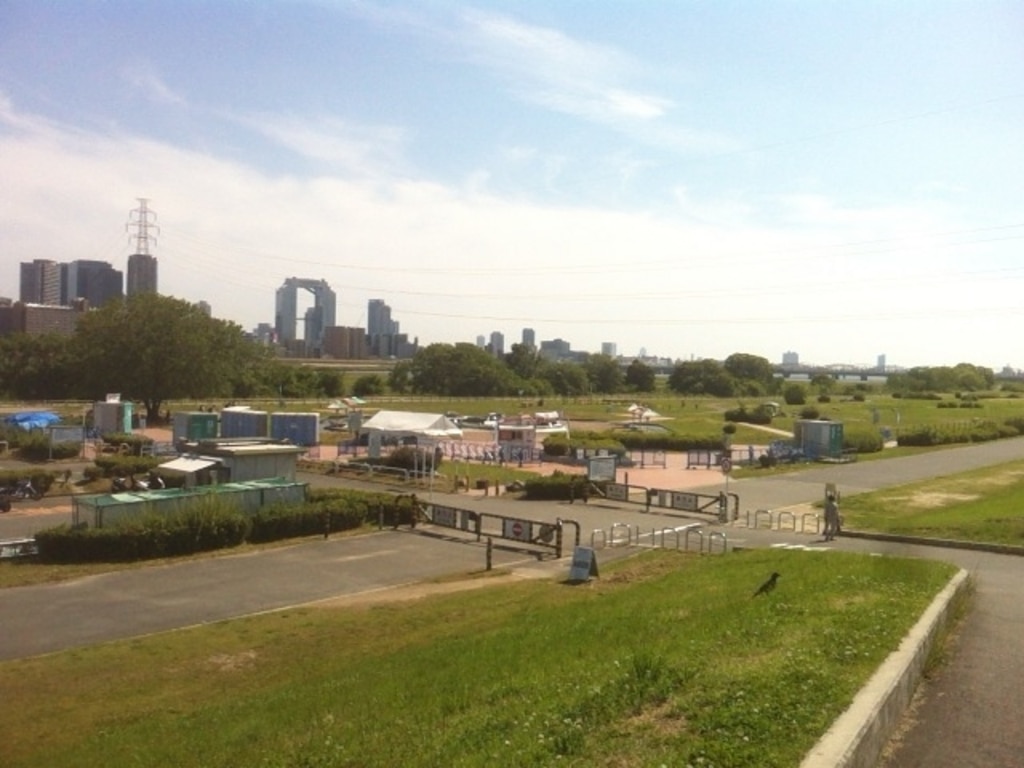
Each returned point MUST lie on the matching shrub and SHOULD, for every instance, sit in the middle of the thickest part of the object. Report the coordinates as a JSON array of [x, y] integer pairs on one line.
[[35, 446], [794, 394], [824, 398], [42, 479], [207, 525], [862, 441], [118, 465], [558, 486], [810, 412], [762, 414]]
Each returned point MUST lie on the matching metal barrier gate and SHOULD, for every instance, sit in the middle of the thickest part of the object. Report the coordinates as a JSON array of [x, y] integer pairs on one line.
[[725, 506], [538, 533]]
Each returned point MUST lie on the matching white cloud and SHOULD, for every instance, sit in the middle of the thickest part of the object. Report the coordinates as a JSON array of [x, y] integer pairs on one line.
[[454, 262], [340, 144], [146, 83]]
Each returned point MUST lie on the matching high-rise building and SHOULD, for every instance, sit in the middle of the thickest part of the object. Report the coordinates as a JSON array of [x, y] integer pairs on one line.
[[95, 281], [141, 274], [529, 338], [316, 319], [497, 344], [378, 319], [609, 348], [791, 359], [141, 264], [41, 282], [344, 343]]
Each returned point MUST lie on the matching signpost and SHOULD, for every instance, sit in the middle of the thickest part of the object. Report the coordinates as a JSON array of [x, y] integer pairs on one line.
[[584, 565]]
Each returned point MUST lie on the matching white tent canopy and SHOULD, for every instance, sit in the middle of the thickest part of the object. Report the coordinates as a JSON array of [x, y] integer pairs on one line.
[[411, 423]]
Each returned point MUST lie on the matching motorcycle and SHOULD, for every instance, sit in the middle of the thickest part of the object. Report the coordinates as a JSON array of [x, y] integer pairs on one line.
[[22, 490]]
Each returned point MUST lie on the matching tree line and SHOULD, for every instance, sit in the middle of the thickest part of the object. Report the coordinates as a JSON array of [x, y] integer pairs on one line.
[[153, 349]]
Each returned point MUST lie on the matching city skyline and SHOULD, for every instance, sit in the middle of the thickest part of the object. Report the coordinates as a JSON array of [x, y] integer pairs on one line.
[[689, 179]]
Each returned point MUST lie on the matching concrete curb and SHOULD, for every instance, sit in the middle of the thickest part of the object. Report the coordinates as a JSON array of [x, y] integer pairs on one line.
[[857, 738], [924, 541]]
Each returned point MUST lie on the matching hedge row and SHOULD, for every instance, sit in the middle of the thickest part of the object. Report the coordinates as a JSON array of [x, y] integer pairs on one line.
[[210, 525], [217, 524], [983, 431]]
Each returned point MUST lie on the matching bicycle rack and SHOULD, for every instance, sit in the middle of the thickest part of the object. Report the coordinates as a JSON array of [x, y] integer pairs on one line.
[[700, 535], [814, 517], [757, 518], [593, 538], [613, 541], [784, 515], [717, 535]]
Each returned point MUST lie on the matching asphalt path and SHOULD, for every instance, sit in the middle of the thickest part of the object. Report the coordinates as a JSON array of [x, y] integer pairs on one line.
[[967, 715]]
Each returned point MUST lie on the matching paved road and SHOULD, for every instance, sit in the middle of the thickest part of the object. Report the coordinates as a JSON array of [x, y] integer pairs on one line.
[[967, 719]]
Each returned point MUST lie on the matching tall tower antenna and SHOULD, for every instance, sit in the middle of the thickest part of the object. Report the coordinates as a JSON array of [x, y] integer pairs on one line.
[[143, 221]]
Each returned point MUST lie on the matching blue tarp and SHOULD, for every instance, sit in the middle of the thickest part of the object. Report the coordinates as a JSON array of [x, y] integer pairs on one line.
[[32, 419]]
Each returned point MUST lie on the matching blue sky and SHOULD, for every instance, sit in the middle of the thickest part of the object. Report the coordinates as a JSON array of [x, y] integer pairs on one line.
[[694, 179]]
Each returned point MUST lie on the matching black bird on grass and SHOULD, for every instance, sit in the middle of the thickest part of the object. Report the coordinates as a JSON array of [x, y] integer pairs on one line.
[[768, 586]]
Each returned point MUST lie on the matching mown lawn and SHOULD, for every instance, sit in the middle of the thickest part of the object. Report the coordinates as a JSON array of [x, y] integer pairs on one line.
[[985, 505], [666, 659]]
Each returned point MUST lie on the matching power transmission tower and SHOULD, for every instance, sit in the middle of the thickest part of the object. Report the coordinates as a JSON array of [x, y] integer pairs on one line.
[[143, 221]]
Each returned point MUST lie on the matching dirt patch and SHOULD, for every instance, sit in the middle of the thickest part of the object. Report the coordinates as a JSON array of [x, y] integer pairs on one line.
[[232, 662], [935, 500]]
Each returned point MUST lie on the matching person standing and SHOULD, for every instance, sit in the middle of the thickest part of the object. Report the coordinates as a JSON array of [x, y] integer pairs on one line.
[[831, 517]]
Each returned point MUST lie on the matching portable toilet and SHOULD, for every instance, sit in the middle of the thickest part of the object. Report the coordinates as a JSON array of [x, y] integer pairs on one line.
[[819, 438], [297, 428], [194, 425], [244, 422]]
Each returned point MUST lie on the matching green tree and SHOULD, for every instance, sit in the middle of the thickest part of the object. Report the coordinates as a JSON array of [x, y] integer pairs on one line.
[[331, 383], [745, 367], [604, 374], [368, 385], [701, 377], [154, 348], [37, 367], [461, 370], [400, 377], [565, 379], [640, 377], [523, 361]]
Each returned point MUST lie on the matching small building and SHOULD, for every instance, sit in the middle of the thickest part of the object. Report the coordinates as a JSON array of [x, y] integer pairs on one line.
[[233, 461]]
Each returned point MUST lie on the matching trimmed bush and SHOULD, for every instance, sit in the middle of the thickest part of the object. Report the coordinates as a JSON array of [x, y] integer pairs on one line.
[[42, 479], [134, 442], [210, 525], [121, 466]]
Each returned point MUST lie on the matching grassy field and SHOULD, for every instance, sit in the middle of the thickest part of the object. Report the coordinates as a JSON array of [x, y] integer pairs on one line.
[[666, 659], [985, 505]]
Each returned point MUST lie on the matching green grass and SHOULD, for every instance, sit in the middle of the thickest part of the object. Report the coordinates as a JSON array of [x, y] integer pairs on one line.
[[666, 659], [985, 505]]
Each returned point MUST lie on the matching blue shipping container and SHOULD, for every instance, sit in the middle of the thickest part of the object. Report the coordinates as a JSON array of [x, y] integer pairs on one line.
[[297, 428]]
